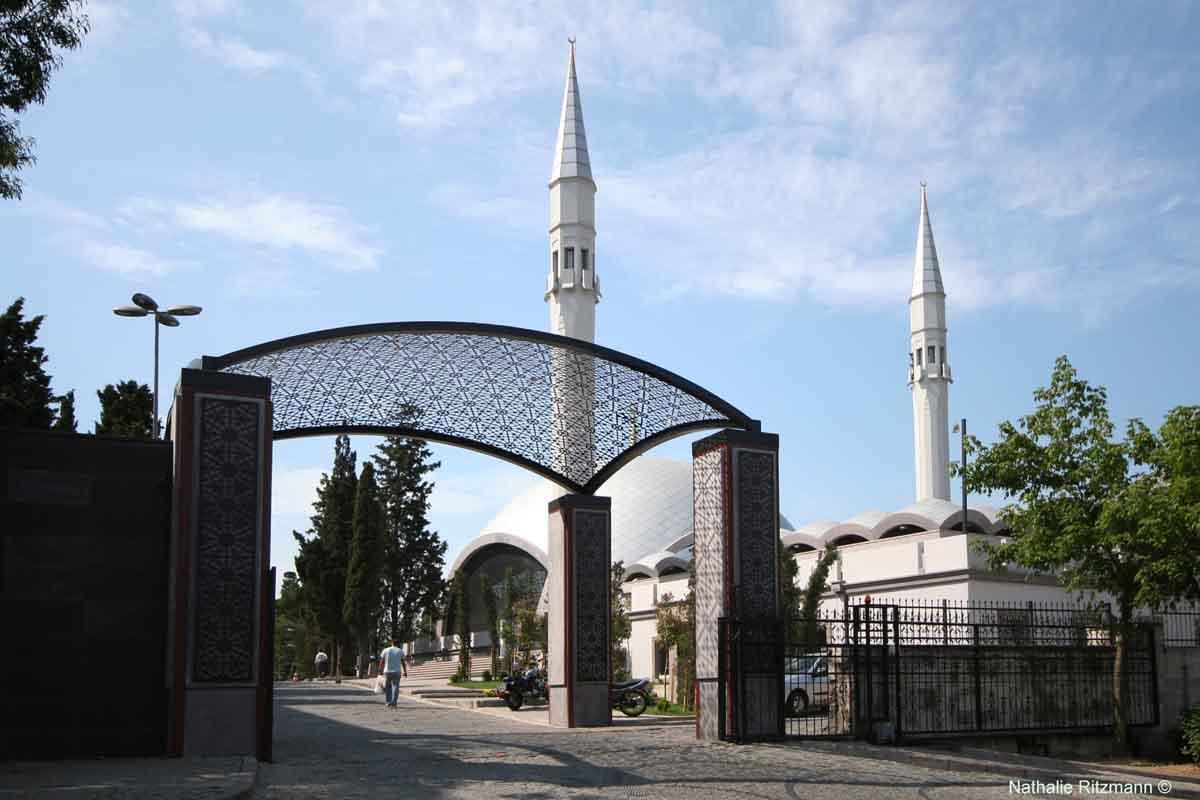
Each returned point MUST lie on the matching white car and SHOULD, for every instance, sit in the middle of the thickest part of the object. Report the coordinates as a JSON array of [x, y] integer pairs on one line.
[[805, 684]]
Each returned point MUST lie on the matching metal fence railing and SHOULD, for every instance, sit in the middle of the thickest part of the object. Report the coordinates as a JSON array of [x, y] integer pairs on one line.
[[934, 668]]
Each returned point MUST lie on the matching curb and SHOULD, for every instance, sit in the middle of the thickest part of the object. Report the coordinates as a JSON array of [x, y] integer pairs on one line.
[[246, 792]]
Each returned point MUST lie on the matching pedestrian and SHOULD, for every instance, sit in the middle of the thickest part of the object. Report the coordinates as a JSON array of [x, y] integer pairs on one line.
[[391, 662], [321, 662]]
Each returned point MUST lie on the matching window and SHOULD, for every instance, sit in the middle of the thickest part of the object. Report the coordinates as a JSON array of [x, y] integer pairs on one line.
[[932, 353], [583, 260], [910, 360], [570, 262], [918, 356], [554, 263], [943, 354]]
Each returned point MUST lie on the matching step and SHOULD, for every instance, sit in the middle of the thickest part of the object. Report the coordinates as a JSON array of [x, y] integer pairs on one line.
[[447, 692]]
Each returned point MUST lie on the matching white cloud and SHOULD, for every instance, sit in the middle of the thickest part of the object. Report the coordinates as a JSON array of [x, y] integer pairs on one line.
[[126, 261], [235, 53]]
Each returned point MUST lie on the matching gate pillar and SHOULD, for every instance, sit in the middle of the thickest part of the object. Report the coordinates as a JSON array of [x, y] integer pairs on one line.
[[735, 477], [580, 610], [219, 655]]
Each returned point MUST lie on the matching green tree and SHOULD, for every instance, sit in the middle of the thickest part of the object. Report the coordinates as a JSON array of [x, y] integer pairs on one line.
[[413, 554], [676, 628], [361, 606], [126, 409], [461, 615], [325, 552], [804, 620], [31, 34], [1119, 518], [295, 636], [66, 413], [621, 627], [25, 397], [491, 613]]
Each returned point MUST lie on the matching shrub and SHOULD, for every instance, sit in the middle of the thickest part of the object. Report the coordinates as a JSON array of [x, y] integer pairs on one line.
[[1189, 734], [663, 704], [459, 676], [487, 674]]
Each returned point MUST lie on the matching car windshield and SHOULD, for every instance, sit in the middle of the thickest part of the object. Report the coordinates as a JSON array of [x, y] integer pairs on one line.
[[802, 664]]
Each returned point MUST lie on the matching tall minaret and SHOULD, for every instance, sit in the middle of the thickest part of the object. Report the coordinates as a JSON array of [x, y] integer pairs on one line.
[[572, 289], [928, 369]]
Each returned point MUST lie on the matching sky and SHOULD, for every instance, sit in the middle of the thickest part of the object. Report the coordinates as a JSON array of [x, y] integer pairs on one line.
[[295, 166]]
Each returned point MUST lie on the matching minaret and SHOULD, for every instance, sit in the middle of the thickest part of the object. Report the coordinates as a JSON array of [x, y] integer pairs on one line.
[[572, 289], [928, 369]]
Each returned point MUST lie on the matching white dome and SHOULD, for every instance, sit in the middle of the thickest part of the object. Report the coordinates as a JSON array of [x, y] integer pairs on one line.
[[651, 509]]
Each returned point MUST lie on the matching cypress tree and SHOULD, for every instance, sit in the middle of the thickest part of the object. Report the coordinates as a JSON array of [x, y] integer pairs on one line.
[[25, 396], [361, 606]]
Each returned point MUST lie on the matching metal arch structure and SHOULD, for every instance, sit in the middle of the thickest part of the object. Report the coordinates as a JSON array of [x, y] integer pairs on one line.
[[496, 389]]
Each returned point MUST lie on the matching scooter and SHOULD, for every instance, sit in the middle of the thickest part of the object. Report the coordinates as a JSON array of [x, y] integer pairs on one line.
[[630, 697], [529, 684]]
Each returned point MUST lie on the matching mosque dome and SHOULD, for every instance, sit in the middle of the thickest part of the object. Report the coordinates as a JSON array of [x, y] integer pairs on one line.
[[651, 514]]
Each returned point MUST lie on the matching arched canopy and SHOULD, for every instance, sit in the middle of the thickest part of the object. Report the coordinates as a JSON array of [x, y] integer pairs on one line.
[[569, 410]]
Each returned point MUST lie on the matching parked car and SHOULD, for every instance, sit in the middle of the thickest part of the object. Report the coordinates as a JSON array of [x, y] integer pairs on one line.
[[805, 684]]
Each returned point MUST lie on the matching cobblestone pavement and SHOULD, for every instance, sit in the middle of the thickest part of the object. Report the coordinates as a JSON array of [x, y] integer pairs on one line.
[[344, 742]]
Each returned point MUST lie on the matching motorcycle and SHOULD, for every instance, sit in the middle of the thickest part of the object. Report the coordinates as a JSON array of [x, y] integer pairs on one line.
[[630, 697], [517, 688]]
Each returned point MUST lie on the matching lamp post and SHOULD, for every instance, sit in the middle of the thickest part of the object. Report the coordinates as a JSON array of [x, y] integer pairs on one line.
[[144, 306], [961, 427]]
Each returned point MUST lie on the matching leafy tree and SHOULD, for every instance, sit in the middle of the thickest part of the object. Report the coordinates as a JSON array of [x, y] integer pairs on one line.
[[676, 628], [295, 634], [413, 555], [361, 606], [461, 614], [126, 409], [325, 552], [621, 627], [25, 397], [1119, 518], [805, 620], [66, 413], [31, 33], [491, 612]]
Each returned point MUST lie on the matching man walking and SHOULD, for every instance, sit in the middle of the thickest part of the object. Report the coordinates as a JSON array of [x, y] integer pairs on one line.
[[321, 662], [391, 661]]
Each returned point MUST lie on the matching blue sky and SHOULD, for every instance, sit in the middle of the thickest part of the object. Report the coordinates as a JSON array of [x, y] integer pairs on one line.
[[292, 167]]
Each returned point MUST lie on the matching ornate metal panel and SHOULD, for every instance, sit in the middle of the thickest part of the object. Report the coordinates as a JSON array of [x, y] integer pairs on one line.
[[757, 533], [590, 546], [709, 494], [226, 546], [566, 409]]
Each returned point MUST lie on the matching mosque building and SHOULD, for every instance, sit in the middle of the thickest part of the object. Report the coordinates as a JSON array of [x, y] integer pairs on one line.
[[920, 551]]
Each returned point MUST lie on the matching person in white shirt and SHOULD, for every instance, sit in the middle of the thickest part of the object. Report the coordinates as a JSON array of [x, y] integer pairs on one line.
[[321, 662], [391, 662]]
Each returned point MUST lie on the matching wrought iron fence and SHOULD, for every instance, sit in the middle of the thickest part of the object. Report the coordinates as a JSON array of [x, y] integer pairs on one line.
[[932, 668]]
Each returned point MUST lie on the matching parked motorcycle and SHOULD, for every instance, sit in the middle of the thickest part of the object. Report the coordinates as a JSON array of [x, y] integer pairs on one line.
[[517, 688], [630, 697]]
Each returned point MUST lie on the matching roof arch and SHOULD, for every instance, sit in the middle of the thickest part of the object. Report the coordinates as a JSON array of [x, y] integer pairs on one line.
[[492, 388]]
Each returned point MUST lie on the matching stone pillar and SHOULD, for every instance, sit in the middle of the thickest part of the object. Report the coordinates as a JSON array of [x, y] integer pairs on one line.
[[735, 478], [580, 610], [218, 674]]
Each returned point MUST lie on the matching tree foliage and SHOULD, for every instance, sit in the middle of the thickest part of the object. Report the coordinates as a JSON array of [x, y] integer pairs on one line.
[[126, 409], [413, 554], [676, 628], [621, 627], [32, 34], [461, 614], [25, 397], [324, 555], [295, 633], [1118, 518], [491, 614], [802, 607], [66, 413], [361, 605]]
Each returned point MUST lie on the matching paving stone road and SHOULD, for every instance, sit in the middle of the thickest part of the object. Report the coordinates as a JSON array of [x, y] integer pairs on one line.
[[340, 741]]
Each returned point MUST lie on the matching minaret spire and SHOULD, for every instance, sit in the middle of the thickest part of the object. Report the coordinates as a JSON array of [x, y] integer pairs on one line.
[[572, 289], [571, 153], [929, 374]]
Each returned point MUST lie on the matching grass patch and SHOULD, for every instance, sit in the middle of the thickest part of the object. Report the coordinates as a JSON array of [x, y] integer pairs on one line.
[[477, 684], [673, 710]]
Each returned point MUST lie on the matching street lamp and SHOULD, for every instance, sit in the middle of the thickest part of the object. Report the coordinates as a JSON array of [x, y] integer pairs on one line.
[[145, 306], [961, 427]]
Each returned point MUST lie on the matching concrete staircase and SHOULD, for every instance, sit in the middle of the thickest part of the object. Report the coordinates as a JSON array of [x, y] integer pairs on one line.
[[432, 667]]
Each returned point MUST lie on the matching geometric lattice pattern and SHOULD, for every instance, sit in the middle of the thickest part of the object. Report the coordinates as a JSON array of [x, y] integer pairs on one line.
[[758, 534], [226, 546], [591, 601], [708, 559], [491, 388]]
